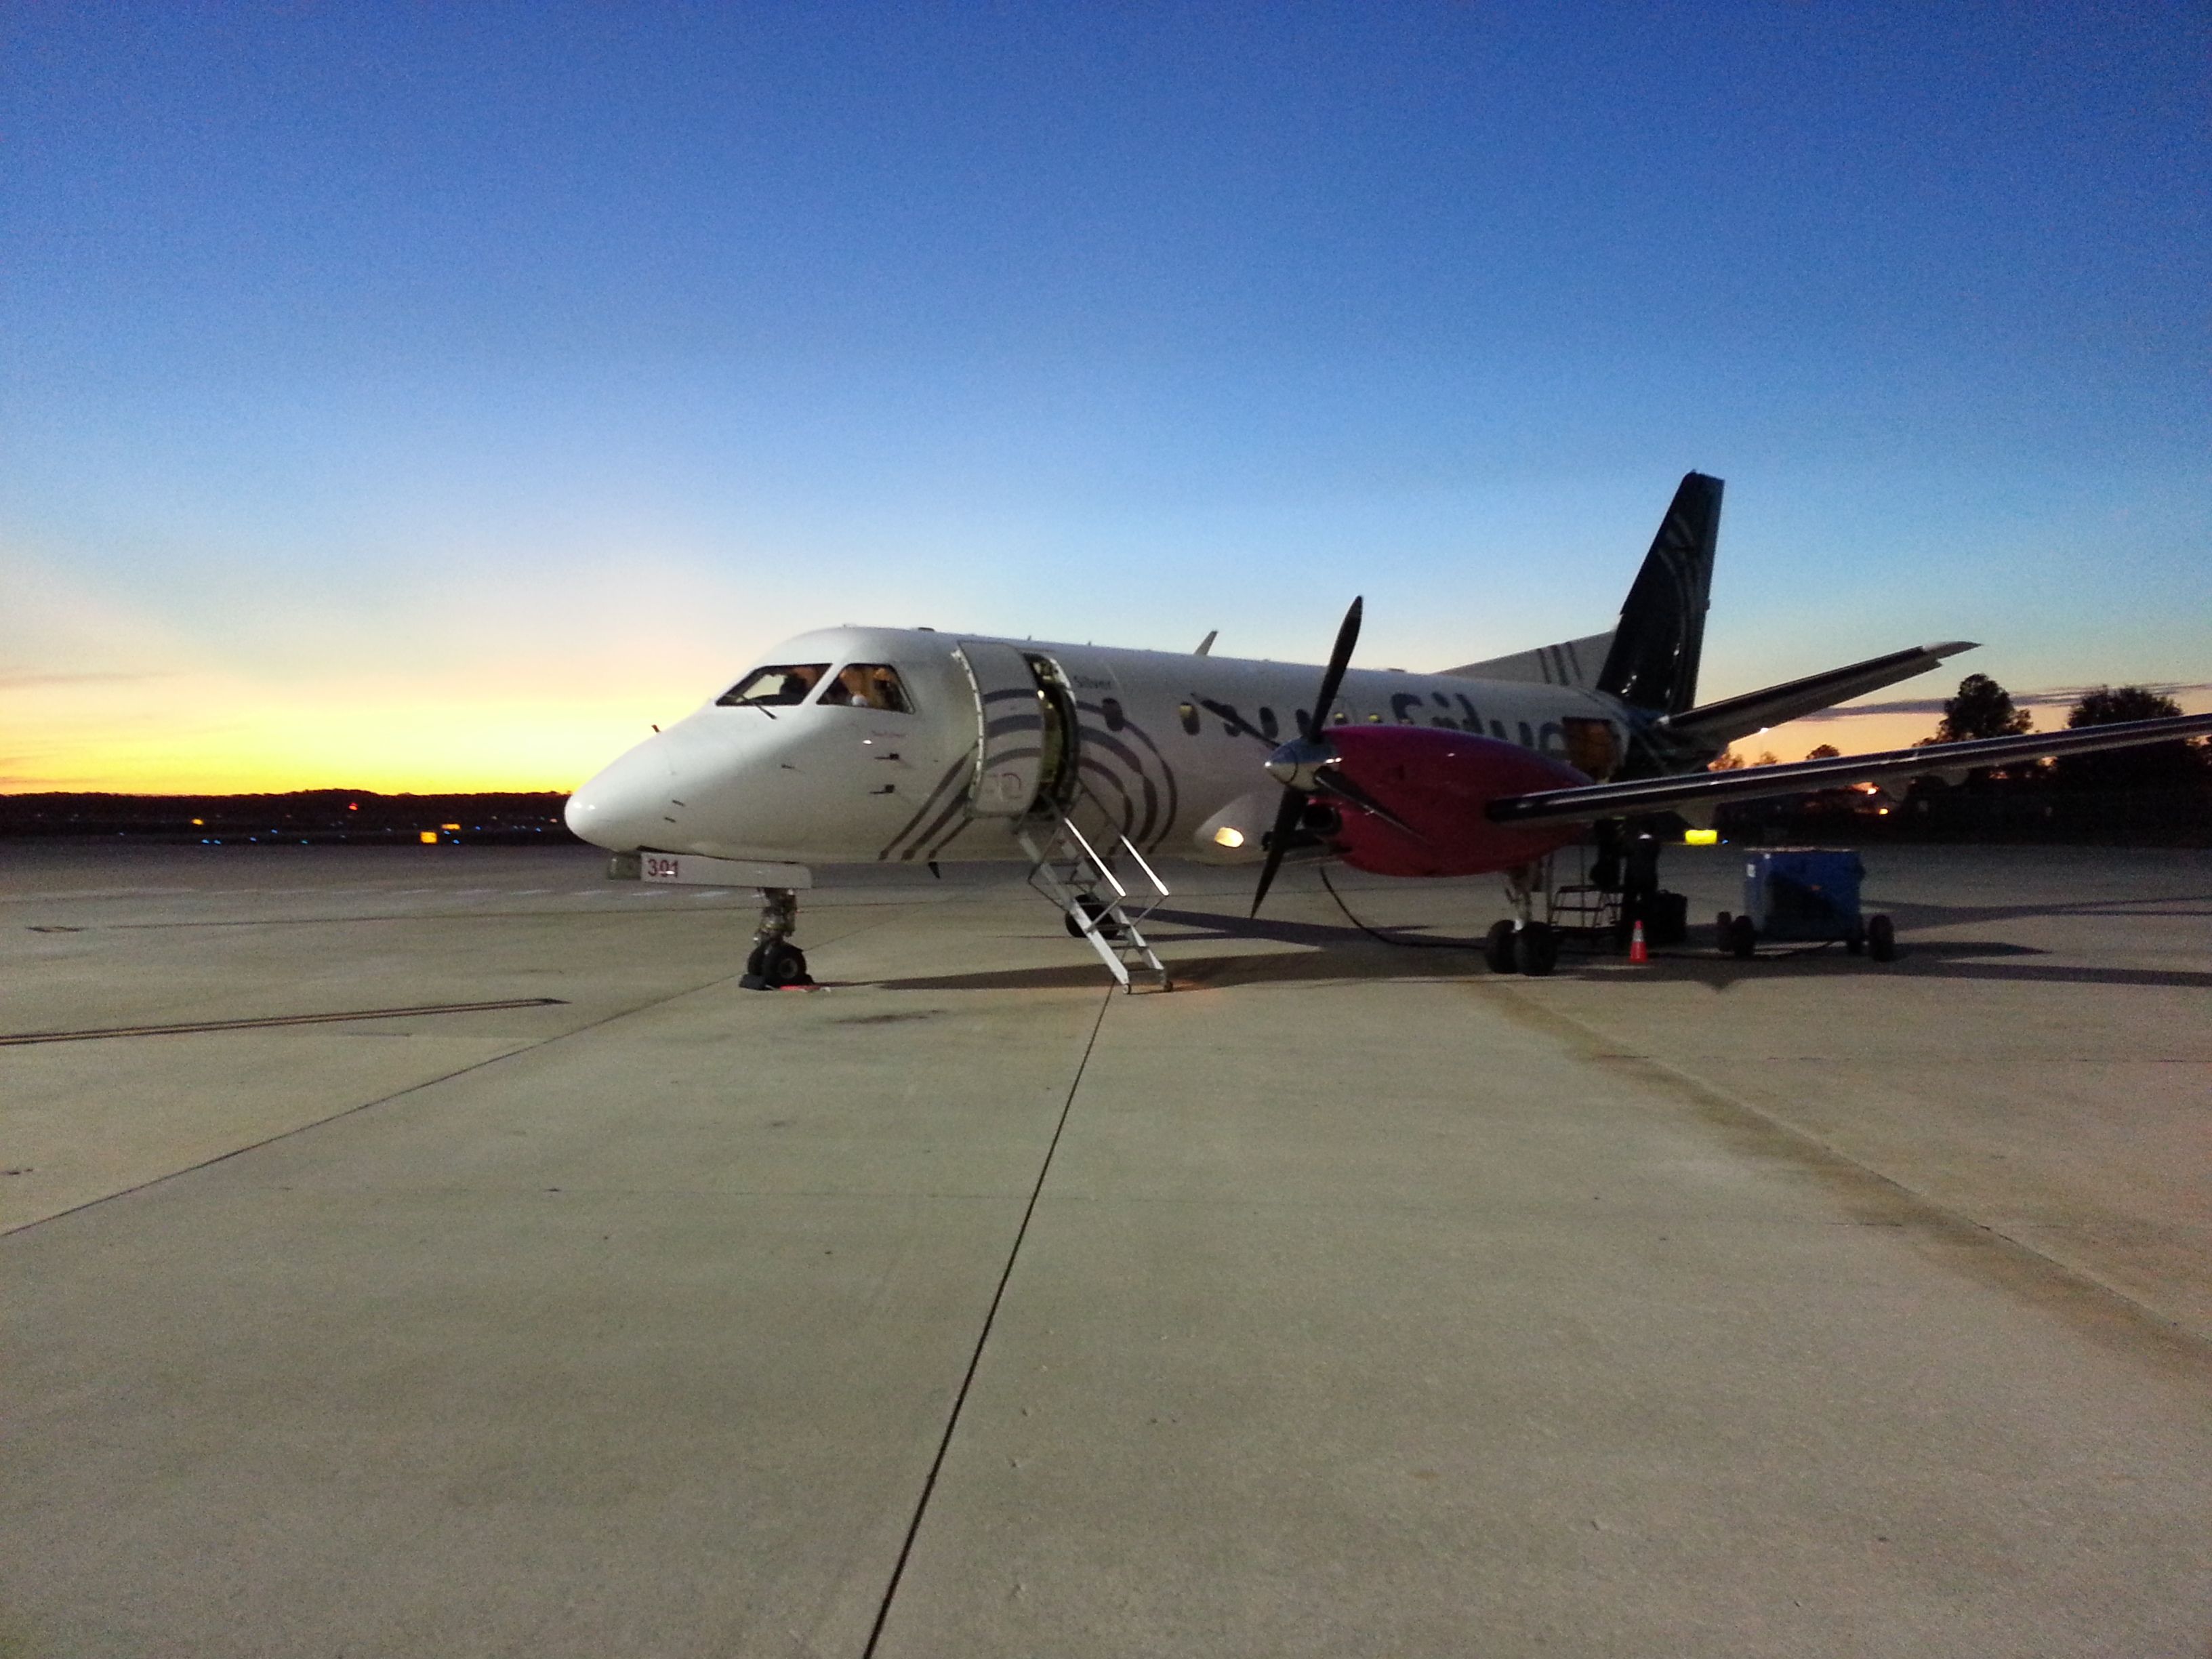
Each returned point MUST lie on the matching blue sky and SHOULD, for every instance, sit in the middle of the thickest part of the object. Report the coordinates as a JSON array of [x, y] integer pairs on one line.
[[474, 384]]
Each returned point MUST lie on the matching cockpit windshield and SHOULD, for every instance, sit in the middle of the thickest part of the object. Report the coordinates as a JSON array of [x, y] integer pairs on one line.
[[869, 685], [776, 687]]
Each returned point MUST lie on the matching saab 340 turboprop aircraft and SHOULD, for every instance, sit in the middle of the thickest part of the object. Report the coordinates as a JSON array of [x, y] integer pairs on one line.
[[909, 745]]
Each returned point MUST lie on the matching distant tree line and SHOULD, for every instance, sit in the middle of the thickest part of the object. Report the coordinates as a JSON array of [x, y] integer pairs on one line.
[[360, 815], [2160, 793]]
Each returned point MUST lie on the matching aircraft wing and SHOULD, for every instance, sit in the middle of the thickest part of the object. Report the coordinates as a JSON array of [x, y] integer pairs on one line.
[[1604, 800], [1716, 725]]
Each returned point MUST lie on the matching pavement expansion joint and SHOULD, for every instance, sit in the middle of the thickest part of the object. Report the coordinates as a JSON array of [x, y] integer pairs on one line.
[[362, 1106], [983, 1336], [1931, 1213]]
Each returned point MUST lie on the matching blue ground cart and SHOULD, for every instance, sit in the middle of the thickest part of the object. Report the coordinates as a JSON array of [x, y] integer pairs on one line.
[[1804, 895]]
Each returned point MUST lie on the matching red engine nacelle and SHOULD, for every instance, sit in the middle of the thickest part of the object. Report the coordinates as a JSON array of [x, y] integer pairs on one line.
[[1438, 782]]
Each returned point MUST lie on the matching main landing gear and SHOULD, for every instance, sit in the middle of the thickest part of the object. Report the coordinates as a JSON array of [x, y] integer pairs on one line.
[[776, 962], [1523, 945], [1528, 947]]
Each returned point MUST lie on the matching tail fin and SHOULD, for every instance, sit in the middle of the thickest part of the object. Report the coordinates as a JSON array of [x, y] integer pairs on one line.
[[1653, 662]]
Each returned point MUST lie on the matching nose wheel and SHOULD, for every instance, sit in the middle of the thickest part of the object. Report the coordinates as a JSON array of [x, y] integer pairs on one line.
[[774, 961]]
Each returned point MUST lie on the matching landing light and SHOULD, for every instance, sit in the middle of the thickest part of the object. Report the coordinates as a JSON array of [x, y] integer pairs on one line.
[[1229, 835]]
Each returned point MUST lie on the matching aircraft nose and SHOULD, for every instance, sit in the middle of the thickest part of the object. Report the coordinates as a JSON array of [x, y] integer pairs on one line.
[[622, 806]]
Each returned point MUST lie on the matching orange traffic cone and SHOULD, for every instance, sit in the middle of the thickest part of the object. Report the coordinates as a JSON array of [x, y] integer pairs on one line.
[[1636, 950]]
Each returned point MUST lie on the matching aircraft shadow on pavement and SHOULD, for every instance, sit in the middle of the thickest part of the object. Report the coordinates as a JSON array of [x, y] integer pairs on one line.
[[1346, 953], [1336, 953]]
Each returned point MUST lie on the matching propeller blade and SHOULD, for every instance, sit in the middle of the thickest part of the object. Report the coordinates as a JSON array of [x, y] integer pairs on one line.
[[1278, 841], [1330, 781], [1347, 635], [1293, 809]]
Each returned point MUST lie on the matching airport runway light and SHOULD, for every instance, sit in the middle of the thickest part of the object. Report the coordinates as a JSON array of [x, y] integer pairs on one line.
[[449, 826], [429, 838], [1229, 835], [1701, 838]]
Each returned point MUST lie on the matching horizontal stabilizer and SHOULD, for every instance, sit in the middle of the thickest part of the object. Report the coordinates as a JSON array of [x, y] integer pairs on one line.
[[1606, 801], [1716, 725], [1570, 662]]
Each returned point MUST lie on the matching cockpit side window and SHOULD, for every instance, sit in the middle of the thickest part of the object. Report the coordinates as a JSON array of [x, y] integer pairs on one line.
[[869, 685], [778, 686]]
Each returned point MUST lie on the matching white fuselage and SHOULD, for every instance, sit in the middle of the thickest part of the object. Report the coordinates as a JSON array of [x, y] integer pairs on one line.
[[1168, 748]]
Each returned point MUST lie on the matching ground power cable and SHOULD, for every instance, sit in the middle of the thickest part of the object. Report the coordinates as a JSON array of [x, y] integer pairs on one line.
[[1407, 943], [983, 1337]]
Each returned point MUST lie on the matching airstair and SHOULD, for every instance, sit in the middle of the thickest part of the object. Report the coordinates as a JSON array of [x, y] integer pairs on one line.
[[1068, 868]]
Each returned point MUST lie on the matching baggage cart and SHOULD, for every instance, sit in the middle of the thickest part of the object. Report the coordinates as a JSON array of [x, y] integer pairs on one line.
[[1804, 895]]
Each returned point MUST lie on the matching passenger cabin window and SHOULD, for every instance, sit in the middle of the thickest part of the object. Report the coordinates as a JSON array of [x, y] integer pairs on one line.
[[869, 685], [777, 687], [1111, 709]]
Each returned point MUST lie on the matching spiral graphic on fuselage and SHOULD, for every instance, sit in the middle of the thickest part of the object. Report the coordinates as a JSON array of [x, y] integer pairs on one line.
[[1127, 775], [1124, 778]]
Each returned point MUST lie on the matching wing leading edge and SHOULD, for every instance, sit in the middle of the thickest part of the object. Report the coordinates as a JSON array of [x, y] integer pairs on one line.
[[1600, 800]]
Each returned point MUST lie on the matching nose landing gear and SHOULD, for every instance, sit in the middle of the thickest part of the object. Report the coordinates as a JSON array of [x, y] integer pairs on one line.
[[776, 962]]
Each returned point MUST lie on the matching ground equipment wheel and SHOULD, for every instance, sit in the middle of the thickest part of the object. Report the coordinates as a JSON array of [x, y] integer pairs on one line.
[[1498, 948], [1742, 938], [1095, 910], [1536, 949], [1882, 940], [1723, 924]]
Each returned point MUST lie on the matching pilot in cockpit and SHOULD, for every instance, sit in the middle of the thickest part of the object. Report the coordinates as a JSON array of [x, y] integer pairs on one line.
[[870, 685]]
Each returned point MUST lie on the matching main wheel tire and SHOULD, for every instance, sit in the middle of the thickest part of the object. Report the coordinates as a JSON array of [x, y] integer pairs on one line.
[[1498, 948], [1882, 940], [753, 960], [1723, 932], [1536, 949], [783, 963], [1742, 938]]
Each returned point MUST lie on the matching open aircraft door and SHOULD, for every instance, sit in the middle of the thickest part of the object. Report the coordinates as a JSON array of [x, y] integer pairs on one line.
[[1010, 718]]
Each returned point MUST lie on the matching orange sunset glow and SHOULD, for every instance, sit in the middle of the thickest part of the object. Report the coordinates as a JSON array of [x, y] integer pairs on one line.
[[188, 734]]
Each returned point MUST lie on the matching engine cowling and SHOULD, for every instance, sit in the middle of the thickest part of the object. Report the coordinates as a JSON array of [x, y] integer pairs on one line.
[[1436, 783]]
